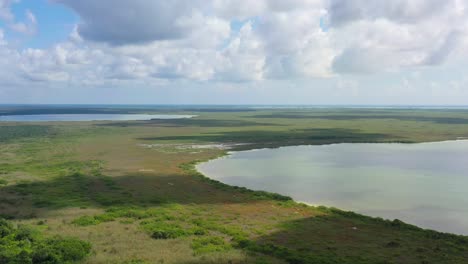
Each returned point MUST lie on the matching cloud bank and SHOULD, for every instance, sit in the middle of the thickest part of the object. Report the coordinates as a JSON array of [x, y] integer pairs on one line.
[[237, 41]]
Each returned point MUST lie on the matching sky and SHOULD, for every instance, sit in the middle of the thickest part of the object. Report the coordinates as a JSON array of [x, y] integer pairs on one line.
[[314, 52]]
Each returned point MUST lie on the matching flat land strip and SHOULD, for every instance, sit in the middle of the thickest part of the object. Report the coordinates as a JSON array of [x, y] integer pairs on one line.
[[131, 191]]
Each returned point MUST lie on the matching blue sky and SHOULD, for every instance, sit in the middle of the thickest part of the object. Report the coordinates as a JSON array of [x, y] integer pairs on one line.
[[234, 52], [56, 23]]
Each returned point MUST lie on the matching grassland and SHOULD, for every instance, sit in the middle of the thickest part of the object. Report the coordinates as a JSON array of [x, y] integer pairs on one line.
[[130, 190]]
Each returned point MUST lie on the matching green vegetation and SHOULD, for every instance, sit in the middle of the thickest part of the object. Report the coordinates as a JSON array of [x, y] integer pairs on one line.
[[129, 190], [14, 132], [24, 245], [167, 230], [209, 245]]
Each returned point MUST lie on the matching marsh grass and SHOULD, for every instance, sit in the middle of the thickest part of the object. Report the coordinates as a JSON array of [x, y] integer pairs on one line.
[[94, 182], [18, 132], [210, 244]]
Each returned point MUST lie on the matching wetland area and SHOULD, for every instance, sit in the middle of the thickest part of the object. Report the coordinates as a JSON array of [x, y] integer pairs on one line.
[[424, 184], [128, 191]]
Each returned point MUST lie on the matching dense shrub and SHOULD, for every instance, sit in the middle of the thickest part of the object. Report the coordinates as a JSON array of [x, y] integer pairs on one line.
[[160, 229], [133, 213], [9, 133], [209, 244], [88, 220], [85, 220], [58, 250], [23, 245]]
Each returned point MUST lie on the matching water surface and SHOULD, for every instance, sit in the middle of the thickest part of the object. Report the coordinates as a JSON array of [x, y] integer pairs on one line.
[[87, 117], [423, 184]]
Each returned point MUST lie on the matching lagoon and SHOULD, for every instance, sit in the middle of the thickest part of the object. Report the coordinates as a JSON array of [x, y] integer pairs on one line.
[[424, 184], [86, 117]]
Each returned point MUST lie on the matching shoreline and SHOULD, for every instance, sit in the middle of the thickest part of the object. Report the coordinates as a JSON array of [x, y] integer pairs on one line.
[[229, 153]]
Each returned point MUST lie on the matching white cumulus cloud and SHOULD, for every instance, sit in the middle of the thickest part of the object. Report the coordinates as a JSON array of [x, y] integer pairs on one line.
[[239, 41]]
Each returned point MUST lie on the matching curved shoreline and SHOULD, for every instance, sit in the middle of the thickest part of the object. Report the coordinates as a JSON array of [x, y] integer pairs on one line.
[[229, 153]]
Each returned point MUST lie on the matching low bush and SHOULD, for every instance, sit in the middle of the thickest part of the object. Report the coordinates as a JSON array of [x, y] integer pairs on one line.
[[58, 250], [85, 220], [22, 245], [136, 261], [161, 229], [209, 244], [130, 213]]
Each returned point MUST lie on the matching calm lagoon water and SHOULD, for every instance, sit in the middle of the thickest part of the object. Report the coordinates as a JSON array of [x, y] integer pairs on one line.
[[423, 184], [87, 117]]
